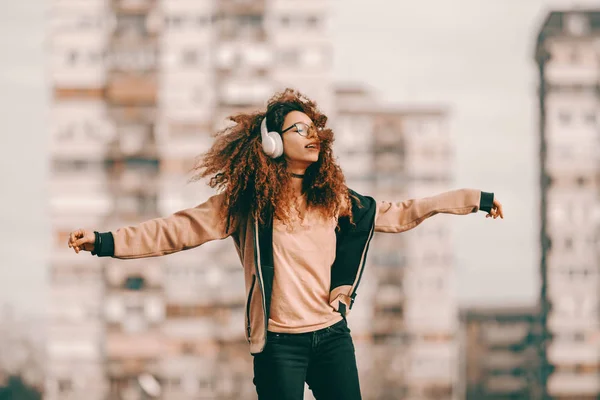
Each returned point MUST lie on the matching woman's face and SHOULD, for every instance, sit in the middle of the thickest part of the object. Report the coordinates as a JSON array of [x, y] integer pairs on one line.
[[301, 143]]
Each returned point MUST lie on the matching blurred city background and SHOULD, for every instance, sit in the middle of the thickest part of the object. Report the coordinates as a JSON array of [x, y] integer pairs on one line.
[[106, 103]]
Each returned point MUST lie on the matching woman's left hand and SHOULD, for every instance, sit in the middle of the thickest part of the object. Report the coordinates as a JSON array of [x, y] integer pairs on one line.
[[496, 210]]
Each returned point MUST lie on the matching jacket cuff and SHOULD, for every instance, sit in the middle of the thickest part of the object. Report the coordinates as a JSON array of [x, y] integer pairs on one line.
[[104, 245], [486, 202]]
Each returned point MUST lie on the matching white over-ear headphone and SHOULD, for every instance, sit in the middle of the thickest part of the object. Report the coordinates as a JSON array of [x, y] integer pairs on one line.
[[271, 141]]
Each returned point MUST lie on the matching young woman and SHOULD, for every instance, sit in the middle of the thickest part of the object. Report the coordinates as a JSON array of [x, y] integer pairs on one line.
[[302, 237]]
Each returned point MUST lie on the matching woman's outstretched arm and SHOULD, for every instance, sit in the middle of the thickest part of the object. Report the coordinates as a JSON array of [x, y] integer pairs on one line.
[[182, 230], [400, 217]]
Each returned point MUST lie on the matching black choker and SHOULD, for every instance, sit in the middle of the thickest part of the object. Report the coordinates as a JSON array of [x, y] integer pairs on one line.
[[296, 175]]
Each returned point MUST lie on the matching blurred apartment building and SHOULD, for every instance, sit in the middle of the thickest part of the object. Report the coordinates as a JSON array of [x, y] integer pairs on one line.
[[405, 318], [22, 351], [138, 88], [499, 354], [568, 57]]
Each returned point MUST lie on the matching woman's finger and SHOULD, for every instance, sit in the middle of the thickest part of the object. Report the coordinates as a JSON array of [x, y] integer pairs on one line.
[[75, 235], [80, 242]]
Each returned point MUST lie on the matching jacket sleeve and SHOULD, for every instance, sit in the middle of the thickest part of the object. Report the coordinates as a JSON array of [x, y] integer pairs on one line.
[[400, 217], [182, 230]]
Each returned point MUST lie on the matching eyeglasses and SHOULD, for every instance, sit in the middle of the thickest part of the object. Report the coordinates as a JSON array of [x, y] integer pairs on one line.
[[303, 129]]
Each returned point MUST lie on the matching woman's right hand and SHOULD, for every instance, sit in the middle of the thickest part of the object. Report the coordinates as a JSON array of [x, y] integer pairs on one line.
[[82, 239]]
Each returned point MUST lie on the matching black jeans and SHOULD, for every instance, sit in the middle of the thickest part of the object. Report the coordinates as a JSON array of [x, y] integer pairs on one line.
[[324, 359]]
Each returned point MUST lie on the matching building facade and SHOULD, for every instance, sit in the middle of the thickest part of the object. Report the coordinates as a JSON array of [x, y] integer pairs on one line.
[[499, 354], [138, 89], [568, 57], [81, 132], [405, 318]]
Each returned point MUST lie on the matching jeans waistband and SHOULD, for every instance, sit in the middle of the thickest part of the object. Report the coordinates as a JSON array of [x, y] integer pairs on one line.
[[326, 329]]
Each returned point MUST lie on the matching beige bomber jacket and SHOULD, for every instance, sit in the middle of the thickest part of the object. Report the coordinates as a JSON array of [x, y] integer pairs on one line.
[[192, 227]]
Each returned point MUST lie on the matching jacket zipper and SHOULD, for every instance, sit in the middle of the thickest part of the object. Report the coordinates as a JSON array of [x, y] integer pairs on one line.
[[248, 327], [259, 276], [362, 267]]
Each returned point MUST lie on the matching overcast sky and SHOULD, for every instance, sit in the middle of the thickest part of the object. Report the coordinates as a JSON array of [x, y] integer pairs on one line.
[[474, 56]]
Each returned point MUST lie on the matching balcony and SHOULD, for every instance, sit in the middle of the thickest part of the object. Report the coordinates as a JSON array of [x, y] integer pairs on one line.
[[133, 6], [133, 114], [136, 149], [389, 161], [388, 320], [237, 7], [572, 384], [133, 56], [137, 346], [135, 199], [236, 33], [443, 390], [506, 360], [62, 92], [389, 298], [572, 354], [131, 89], [393, 260], [505, 384]]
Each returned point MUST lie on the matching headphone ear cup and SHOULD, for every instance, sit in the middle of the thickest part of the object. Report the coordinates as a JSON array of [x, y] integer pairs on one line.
[[268, 145], [277, 144], [271, 141]]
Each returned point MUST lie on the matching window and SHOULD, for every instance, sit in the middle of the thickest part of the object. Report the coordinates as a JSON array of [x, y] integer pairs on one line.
[[64, 385], [239, 26], [72, 57], [569, 243], [288, 57], [191, 57], [187, 348], [138, 205], [86, 22], [590, 118], [566, 152], [253, 20], [202, 20], [188, 311], [96, 57], [574, 56], [207, 384], [135, 283], [174, 21], [313, 58], [131, 24], [134, 309], [431, 257], [174, 383], [564, 117]]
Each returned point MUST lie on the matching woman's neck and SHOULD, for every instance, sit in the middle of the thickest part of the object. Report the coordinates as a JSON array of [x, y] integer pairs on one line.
[[296, 184], [296, 174]]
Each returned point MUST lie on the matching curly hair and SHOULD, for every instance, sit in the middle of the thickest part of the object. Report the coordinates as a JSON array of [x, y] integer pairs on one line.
[[257, 185]]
